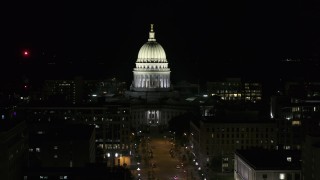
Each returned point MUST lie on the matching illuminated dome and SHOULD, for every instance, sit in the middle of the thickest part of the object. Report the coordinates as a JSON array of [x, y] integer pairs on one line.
[[151, 51], [151, 72]]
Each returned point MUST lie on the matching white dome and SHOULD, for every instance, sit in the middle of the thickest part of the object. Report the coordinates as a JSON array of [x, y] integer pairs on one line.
[[151, 51], [152, 72]]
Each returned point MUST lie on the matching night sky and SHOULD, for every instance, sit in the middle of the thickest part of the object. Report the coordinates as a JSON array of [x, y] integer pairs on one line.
[[203, 39]]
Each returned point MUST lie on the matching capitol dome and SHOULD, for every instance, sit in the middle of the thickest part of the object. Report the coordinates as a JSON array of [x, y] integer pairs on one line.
[[151, 72], [151, 51]]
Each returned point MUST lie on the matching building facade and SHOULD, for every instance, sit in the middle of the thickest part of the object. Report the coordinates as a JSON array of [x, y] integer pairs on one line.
[[311, 158], [13, 148], [214, 140], [235, 89], [111, 122], [61, 145], [267, 165]]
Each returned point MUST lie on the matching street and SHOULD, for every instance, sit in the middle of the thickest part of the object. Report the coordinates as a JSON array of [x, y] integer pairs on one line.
[[165, 166]]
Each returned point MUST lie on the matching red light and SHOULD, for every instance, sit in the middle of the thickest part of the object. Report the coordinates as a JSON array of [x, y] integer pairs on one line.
[[26, 53]]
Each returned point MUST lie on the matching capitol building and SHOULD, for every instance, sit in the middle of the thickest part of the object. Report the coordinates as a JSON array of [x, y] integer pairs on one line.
[[153, 101], [152, 72]]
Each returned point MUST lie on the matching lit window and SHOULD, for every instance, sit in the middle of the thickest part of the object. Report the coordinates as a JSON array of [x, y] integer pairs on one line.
[[63, 177], [37, 149], [289, 159], [296, 123], [55, 147], [55, 156], [282, 176]]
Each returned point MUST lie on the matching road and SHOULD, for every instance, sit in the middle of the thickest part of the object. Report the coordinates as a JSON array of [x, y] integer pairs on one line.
[[166, 166]]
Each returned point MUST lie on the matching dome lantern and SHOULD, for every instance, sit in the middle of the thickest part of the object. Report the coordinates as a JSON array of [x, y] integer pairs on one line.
[[151, 34]]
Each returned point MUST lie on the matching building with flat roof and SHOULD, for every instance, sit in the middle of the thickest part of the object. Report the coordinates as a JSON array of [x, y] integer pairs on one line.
[[111, 123], [214, 139], [236, 89], [260, 164], [61, 145]]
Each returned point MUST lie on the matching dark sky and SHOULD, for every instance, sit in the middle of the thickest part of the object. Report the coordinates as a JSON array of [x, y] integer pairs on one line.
[[218, 38]]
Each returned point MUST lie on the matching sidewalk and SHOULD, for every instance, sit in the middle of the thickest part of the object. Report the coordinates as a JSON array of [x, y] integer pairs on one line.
[[193, 173]]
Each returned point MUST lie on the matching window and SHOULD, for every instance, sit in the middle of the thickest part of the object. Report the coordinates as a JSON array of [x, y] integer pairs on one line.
[[296, 123], [282, 176], [264, 176]]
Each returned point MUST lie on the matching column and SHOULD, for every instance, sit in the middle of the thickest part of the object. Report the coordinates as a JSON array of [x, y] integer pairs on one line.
[[165, 81], [144, 82]]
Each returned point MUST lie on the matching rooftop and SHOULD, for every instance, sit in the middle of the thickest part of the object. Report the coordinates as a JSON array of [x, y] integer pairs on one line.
[[261, 159]]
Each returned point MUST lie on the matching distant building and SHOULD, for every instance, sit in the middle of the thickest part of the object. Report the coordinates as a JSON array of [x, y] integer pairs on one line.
[[61, 91], [186, 89], [215, 139], [267, 165], [61, 145], [13, 148], [234, 89], [311, 158], [111, 122], [302, 89], [295, 118], [80, 91]]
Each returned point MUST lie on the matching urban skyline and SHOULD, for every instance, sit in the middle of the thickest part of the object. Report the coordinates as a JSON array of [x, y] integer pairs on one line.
[[160, 90]]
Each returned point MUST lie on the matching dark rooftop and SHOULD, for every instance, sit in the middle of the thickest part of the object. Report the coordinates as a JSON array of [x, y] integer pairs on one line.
[[237, 117], [261, 159]]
